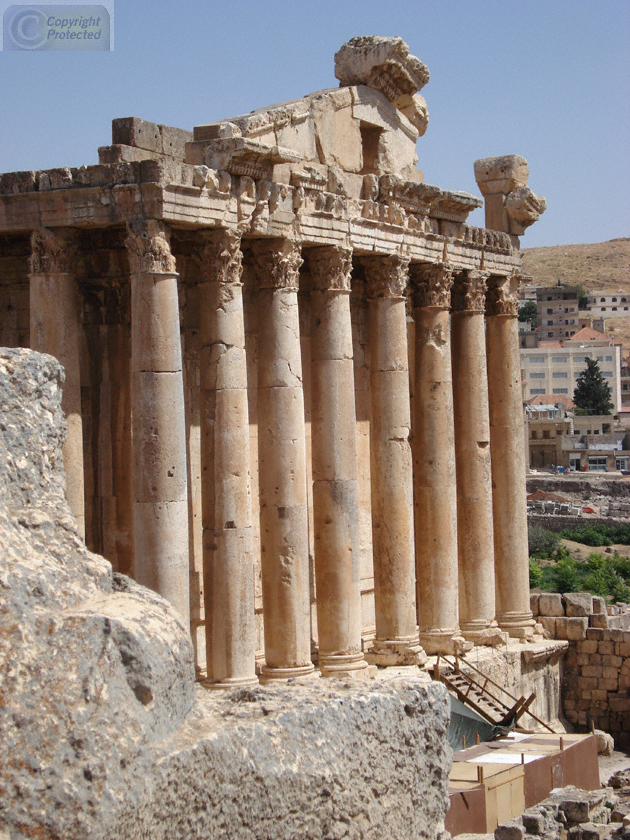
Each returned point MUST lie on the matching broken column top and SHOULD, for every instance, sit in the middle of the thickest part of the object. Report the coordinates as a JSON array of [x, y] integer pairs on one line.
[[381, 63], [511, 206]]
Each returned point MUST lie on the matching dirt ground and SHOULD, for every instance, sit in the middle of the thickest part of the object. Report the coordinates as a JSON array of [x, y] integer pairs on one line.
[[581, 552], [610, 764]]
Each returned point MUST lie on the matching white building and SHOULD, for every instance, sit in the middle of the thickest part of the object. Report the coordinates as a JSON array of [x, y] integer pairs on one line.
[[553, 368], [609, 304]]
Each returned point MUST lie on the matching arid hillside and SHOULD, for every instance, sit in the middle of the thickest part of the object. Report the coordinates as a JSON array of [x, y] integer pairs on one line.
[[602, 265]]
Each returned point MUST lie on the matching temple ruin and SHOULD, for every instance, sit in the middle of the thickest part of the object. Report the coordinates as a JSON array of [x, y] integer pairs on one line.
[[292, 376]]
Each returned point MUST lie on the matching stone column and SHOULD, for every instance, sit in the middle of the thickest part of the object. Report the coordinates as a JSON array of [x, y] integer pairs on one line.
[[472, 456], [159, 430], [54, 317], [282, 464], [507, 447], [334, 446], [396, 640], [228, 570], [435, 485]]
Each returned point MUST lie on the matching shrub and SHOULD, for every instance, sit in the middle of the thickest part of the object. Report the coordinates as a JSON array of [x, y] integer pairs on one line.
[[542, 543], [535, 574], [567, 575], [597, 535]]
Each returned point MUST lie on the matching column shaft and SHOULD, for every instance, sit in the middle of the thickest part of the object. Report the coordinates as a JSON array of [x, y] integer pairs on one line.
[[472, 455], [54, 327], [161, 547], [396, 640], [225, 490], [435, 486], [507, 447], [282, 464], [334, 448]]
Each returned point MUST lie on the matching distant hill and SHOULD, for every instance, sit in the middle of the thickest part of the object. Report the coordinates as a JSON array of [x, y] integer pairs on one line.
[[603, 265]]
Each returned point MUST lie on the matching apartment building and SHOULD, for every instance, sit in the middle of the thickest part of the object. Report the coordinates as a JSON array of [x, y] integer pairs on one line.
[[609, 304], [557, 312], [553, 368]]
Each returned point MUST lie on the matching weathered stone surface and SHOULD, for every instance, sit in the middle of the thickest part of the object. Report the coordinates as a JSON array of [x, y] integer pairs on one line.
[[605, 742], [314, 761], [578, 603], [550, 603], [95, 667]]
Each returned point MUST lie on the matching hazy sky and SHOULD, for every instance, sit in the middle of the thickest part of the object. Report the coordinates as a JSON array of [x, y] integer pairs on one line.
[[549, 80]]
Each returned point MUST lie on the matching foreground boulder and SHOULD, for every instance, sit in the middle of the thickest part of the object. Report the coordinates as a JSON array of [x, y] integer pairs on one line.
[[103, 735], [94, 668]]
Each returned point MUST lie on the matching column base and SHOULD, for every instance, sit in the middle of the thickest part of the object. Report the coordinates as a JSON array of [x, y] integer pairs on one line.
[[346, 666], [519, 625], [269, 674], [403, 651], [229, 683], [484, 633], [448, 642]]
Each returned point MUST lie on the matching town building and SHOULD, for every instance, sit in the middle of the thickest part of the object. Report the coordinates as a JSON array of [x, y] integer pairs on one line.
[[609, 304], [557, 312], [553, 367]]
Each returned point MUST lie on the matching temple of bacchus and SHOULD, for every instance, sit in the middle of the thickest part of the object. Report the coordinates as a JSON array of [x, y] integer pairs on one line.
[[292, 377]]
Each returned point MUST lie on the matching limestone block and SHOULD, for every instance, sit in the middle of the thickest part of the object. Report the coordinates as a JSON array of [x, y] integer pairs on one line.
[[338, 133], [132, 131], [300, 761], [605, 742], [396, 153], [501, 174], [573, 629], [512, 830], [578, 604], [549, 626], [299, 136], [380, 62], [599, 605], [550, 603], [533, 602], [97, 668]]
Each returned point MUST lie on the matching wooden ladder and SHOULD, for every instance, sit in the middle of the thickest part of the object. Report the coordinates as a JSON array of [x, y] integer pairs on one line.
[[476, 693]]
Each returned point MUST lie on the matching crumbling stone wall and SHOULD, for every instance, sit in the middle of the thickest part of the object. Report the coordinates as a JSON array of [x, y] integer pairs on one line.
[[596, 679]]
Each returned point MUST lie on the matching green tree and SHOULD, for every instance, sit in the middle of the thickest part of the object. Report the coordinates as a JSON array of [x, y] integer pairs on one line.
[[592, 392], [529, 312]]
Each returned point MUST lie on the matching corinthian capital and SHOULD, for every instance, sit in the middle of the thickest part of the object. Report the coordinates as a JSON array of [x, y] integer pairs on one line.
[[502, 296], [148, 248], [219, 257], [469, 291], [431, 284], [386, 276], [330, 268], [52, 252], [277, 264]]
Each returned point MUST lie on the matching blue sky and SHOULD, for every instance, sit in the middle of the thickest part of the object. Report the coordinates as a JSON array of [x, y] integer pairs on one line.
[[547, 80]]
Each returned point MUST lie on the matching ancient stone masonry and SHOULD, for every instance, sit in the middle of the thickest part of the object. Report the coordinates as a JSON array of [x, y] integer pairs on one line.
[[251, 432]]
